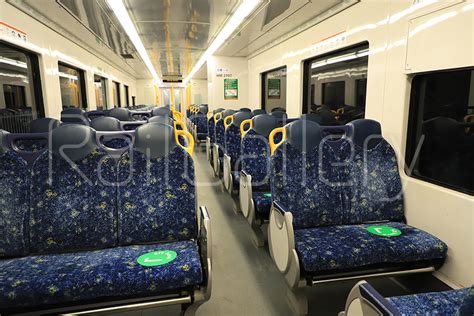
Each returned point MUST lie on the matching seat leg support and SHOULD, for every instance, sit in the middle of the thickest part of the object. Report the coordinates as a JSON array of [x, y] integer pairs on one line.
[[298, 300]]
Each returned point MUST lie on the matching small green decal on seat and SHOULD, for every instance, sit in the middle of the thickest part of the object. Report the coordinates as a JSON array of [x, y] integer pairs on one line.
[[385, 231], [156, 258], [267, 194]]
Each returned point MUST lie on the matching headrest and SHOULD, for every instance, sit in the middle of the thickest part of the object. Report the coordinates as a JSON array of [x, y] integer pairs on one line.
[[263, 124], [227, 113], [161, 119], [278, 109], [278, 114], [120, 114], [258, 112], [73, 115], [43, 125], [154, 140], [218, 110], [312, 117], [3, 145], [245, 110], [203, 109], [239, 117], [105, 123], [304, 135], [163, 111], [74, 141], [363, 128]]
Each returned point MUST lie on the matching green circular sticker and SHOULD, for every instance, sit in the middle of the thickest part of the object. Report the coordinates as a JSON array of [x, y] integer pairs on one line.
[[385, 231], [156, 258]]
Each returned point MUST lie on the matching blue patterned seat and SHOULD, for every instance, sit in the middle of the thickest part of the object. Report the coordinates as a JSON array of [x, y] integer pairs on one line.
[[200, 121], [335, 189], [98, 274], [344, 247]]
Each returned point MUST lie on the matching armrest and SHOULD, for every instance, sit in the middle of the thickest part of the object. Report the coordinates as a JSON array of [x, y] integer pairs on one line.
[[205, 246], [279, 208], [281, 237], [244, 174], [371, 302]]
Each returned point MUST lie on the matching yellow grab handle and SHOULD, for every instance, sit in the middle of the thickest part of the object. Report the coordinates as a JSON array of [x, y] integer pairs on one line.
[[340, 111], [244, 131], [190, 147], [177, 116], [217, 117], [271, 138], [228, 120]]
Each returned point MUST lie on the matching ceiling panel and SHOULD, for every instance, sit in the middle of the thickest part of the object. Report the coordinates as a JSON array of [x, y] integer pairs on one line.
[[177, 32]]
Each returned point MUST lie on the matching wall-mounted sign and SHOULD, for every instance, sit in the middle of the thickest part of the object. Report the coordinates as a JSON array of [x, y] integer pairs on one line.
[[274, 88], [231, 89], [223, 72], [8, 30]]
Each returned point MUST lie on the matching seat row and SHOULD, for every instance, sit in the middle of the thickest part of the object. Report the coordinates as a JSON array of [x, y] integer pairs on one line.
[[84, 229], [331, 195]]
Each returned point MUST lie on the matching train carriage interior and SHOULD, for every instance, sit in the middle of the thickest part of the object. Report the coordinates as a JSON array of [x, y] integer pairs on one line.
[[237, 157]]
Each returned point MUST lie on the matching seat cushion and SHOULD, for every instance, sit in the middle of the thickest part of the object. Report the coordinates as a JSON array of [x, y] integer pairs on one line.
[[262, 202], [81, 276], [352, 246], [434, 303]]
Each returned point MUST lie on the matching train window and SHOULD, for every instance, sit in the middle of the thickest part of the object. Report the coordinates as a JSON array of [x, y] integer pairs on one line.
[[100, 85], [116, 92], [72, 83], [127, 96], [20, 89], [274, 89], [440, 142], [335, 85]]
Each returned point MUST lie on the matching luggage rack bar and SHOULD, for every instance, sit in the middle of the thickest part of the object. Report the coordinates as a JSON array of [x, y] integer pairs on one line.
[[374, 275]]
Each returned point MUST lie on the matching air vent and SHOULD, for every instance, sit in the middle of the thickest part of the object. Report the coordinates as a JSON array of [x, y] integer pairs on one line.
[[127, 56]]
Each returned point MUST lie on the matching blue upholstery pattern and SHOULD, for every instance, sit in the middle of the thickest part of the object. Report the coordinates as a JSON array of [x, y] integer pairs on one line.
[[352, 246], [433, 303], [262, 202], [220, 136], [117, 143], [14, 204], [255, 157], [73, 209], [467, 306], [81, 276], [298, 185], [158, 202], [232, 145], [211, 128], [376, 190], [201, 123], [31, 145]]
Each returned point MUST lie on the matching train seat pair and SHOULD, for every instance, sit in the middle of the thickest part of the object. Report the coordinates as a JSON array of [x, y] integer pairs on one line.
[[84, 230], [219, 144], [338, 209], [453, 302]]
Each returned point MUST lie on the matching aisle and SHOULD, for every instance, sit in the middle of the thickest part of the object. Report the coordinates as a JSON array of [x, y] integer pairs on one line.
[[245, 280]]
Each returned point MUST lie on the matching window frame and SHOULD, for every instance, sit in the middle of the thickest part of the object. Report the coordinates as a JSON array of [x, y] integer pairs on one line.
[[82, 83], [263, 89], [306, 107], [119, 99], [127, 95], [411, 143], [104, 87], [35, 74]]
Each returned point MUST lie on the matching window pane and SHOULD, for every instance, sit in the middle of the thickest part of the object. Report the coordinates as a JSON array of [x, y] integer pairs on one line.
[[274, 89], [70, 80], [100, 85], [440, 142], [20, 89], [336, 85], [127, 97], [116, 92]]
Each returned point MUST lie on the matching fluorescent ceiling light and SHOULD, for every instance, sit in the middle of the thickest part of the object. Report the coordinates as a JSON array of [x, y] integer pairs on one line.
[[122, 15], [13, 62], [242, 12], [337, 59]]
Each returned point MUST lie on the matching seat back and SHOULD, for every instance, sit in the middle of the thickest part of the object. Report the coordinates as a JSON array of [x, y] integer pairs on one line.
[[120, 114], [163, 111], [312, 117], [14, 204], [255, 150], [302, 178], [156, 194], [43, 125], [233, 138], [220, 129], [376, 190], [245, 110], [74, 115], [258, 112], [110, 124], [161, 119], [72, 194]]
